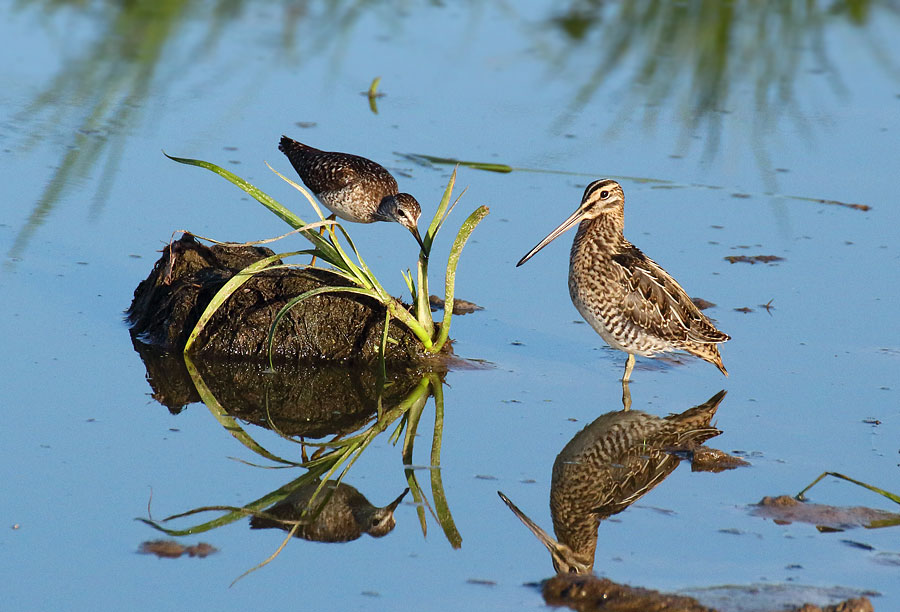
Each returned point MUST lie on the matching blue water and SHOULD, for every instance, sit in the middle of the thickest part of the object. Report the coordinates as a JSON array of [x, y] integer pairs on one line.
[[88, 200]]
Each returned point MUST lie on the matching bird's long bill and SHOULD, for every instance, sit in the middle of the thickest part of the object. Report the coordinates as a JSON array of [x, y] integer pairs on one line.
[[541, 535], [564, 227], [415, 232], [393, 505]]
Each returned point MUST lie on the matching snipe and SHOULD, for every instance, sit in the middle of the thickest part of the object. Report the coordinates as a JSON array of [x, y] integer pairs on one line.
[[635, 305], [352, 187]]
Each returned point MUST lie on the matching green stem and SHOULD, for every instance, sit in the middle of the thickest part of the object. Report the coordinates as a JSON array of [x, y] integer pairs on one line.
[[461, 238]]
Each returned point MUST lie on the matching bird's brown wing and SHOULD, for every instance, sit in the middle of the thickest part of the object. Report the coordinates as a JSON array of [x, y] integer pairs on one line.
[[324, 171], [656, 301]]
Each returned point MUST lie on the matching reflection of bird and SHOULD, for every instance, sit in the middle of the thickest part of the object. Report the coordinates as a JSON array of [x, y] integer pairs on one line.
[[346, 516], [608, 466], [352, 187], [627, 297]]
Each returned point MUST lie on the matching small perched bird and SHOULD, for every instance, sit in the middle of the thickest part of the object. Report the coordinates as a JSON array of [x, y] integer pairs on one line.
[[352, 187], [628, 299], [345, 517], [608, 466]]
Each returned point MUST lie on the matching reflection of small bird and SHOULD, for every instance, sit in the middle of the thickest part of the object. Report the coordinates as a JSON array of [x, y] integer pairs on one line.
[[352, 187], [634, 304], [608, 466], [346, 516]]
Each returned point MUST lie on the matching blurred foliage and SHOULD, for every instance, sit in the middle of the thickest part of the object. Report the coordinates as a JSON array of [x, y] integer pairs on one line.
[[692, 60], [697, 60]]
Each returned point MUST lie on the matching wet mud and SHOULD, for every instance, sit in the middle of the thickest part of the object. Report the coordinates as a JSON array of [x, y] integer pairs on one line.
[[338, 327]]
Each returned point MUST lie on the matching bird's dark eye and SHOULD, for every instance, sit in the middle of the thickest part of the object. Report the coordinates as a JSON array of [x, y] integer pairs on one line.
[[604, 194]]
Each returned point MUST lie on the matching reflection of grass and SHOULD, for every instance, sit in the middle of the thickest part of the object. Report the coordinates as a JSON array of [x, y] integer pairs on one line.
[[109, 81], [699, 59], [333, 462]]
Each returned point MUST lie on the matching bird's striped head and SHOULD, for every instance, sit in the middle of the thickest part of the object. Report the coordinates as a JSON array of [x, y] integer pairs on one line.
[[600, 197], [603, 195], [403, 209]]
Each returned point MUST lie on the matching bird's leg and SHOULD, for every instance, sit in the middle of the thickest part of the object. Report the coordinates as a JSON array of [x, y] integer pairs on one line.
[[629, 366], [626, 392], [330, 217], [626, 396]]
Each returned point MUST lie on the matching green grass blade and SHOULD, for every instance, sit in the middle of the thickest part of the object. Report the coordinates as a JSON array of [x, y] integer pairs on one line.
[[287, 215], [439, 214], [461, 238], [260, 196]]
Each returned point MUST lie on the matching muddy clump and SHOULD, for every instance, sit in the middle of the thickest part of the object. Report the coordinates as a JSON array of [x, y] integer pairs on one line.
[[338, 327]]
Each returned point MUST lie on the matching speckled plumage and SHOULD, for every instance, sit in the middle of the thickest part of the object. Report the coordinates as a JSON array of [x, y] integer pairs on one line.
[[608, 466], [346, 516], [634, 304], [352, 187]]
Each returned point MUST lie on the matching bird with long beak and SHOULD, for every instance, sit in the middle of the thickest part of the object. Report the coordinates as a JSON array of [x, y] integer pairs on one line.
[[635, 305]]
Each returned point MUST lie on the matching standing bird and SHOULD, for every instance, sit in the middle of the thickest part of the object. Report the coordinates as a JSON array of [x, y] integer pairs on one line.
[[352, 187], [628, 299]]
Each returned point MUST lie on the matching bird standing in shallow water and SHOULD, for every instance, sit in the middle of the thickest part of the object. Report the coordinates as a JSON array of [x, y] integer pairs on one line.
[[628, 299], [352, 187]]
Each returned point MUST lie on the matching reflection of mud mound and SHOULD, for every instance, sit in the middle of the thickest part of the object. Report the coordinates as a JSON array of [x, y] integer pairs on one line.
[[592, 593], [589, 593], [167, 375], [336, 327], [312, 400]]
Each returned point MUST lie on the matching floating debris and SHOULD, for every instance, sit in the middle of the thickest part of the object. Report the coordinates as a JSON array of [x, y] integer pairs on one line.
[[752, 259], [460, 307], [745, 310], [702, 304], [784, 510], [170, 549]]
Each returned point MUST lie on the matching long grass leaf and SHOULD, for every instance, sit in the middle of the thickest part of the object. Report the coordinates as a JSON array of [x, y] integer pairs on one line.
[[439, 213], [462, 237], [260, 196]]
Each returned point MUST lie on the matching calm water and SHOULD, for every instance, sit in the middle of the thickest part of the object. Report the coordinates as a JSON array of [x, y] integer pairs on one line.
[[726, 123]]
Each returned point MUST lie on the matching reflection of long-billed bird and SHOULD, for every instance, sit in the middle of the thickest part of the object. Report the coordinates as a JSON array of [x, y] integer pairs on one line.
[[352, 187], [628, 299], [608, 466], [346, 516]]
